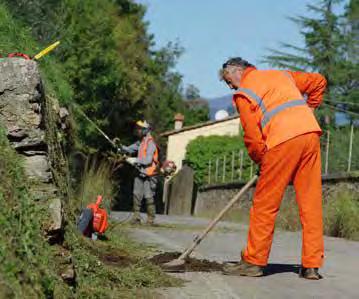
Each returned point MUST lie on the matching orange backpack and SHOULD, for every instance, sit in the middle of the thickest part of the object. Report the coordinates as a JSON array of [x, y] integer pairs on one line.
[[99, 219]]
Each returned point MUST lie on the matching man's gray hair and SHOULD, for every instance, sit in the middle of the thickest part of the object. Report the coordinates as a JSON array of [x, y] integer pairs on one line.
[[234, 62]]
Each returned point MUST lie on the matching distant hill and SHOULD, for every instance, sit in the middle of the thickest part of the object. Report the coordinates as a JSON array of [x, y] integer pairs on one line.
[[224, 102]]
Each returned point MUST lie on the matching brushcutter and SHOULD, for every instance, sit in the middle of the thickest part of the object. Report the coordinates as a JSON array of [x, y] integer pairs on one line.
[[37, 56]]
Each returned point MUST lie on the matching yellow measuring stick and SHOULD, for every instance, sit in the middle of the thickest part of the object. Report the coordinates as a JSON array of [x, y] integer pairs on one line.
[[46, 51]]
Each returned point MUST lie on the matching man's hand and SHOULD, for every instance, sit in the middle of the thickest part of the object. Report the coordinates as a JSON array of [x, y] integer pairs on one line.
[[131, 161]]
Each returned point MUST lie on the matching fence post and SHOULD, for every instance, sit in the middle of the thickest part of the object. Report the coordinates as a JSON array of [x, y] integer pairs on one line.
[[350, 146], [209, 172], [232, 174], [216, 176], [224, 169], [241, 165], [327, 153]]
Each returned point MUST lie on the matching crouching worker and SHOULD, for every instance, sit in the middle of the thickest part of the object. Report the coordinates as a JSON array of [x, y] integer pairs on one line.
[[146, 163], [282, 136]]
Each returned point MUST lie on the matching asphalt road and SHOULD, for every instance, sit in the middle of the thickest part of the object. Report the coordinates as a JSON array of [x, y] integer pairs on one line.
[[341, 269]]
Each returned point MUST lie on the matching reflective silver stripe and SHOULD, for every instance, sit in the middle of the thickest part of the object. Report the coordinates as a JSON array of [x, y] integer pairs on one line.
[[255, 97], [268, 115]]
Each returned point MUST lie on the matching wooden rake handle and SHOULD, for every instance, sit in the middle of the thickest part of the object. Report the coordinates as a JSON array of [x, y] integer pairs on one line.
[[210, 226]]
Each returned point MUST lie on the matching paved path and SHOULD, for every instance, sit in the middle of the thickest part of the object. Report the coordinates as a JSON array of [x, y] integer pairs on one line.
[[341, 270]]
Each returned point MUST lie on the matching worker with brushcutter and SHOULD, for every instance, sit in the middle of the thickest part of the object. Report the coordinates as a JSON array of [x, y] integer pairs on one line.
[[282, 136], [147, 162]]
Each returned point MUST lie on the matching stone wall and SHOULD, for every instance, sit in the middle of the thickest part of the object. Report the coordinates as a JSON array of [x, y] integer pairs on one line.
[[31, 120], [178, 141], [213, 198]]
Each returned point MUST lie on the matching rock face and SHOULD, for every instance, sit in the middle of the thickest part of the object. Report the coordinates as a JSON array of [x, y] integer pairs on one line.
[[24, 112]]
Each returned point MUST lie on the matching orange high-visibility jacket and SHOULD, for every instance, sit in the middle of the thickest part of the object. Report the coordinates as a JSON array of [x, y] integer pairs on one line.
[[142, 152], [272, 108]]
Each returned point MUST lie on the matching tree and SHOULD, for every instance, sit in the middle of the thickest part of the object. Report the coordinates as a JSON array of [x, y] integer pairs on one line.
[[351, 79], [192, 92], [108, 57], [327, 48]]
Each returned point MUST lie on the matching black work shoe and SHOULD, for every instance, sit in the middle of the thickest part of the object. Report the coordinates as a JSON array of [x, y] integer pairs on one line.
[[243, 268], [310, 273]]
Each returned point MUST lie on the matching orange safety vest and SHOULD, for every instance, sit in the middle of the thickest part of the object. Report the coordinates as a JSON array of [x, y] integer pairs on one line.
[[281, 111], [152, 169]]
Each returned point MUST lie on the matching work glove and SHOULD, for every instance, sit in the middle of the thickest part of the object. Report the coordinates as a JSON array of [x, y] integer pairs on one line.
[[131, 161]]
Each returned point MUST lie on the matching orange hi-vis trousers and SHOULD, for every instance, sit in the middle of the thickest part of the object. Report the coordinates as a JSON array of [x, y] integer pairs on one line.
[[296, 160]]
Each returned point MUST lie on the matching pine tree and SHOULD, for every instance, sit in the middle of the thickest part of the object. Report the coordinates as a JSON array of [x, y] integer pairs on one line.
[[328, 44]]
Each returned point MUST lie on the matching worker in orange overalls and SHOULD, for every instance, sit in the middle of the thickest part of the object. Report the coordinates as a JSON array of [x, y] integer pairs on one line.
[[282, 136], [146, 179]]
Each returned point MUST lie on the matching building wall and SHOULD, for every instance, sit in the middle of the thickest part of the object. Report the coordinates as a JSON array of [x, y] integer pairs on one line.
[[177, 142]]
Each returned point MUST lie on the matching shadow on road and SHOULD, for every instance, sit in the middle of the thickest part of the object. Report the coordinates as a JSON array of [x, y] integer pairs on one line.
[[281, 268]]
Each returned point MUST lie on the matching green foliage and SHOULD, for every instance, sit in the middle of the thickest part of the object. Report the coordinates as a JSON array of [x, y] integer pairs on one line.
[[29, 265], [108, 59], [192, 92], [204, 149], [25, 266], [97, 179], [330, 49], [341, 214], [196, 115], [15, 37]]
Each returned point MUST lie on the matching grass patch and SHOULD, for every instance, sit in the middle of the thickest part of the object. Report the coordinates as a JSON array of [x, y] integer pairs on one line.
[[26, 267], [341, 215], [114, 268], [96, 180]]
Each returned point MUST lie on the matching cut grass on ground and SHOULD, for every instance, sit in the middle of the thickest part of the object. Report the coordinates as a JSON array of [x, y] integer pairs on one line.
[[115, 268]]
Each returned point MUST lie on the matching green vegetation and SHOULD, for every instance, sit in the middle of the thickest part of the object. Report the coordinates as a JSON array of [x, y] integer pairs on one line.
[[204, 149], [26, 269], [341, 214], [106, 65], [96, 180], [14, 37], [108, 58], [31, 268], [331, 48]]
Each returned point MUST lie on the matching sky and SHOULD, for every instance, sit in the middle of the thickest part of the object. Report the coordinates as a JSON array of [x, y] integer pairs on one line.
[[210, 31]]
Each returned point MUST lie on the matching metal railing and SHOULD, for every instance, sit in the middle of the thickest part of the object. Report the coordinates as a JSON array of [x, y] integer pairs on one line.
[[339, 153]]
